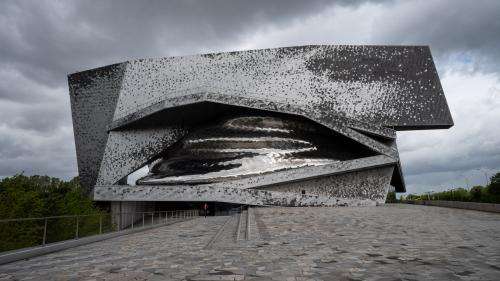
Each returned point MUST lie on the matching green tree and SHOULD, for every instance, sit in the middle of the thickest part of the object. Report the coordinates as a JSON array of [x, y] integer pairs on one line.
[[476, 193], [42, 196], [488, 194], [494, 186], [391, 197]]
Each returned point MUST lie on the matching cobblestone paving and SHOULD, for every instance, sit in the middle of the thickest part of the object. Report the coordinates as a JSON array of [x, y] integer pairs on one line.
[[395, 242]]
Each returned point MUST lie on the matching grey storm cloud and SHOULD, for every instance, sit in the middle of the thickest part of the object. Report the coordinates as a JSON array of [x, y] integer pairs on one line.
[[458, 29], [43, 41]]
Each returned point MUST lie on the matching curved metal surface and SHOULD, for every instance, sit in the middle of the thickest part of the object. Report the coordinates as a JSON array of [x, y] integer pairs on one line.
[[244, 146]]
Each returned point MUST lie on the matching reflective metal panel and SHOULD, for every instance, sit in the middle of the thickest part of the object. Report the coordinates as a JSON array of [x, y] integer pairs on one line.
[[248, 145]]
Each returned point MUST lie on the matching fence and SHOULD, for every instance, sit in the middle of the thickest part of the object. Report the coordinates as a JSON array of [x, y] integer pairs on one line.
[[485, 207], [29, 232]]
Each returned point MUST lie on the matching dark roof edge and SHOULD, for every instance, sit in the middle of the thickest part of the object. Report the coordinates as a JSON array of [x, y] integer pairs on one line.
[[250, 50]]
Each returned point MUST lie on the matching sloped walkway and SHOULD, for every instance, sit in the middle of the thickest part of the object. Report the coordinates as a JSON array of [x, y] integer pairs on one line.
[[372, 243]]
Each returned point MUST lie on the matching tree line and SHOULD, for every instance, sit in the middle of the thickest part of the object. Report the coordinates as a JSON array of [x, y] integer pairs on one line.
[[482, 194], [42, 196]]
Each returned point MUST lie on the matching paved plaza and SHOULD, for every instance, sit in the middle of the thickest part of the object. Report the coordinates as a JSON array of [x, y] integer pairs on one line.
[[392, 242]]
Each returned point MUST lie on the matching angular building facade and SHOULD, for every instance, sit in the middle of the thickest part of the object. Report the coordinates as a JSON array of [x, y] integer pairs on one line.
[[295, 126]]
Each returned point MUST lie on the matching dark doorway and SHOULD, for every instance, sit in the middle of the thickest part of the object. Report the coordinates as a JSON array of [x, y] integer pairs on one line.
[[214, 208]]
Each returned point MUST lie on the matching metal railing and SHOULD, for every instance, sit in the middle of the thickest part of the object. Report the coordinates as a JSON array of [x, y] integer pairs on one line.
[[29, 232]]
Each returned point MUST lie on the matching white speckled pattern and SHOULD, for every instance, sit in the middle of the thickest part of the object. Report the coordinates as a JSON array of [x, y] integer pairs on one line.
[[126, 114]]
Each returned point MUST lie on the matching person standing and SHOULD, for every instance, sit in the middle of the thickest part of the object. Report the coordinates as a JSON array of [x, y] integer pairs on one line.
[[205, 208]]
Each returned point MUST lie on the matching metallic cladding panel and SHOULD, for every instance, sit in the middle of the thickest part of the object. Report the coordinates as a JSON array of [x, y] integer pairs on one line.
[[361, 92], [373, 181], [394, 86], [370, 184], [249, 145], [127, 150], [93, 96], [289, 176]]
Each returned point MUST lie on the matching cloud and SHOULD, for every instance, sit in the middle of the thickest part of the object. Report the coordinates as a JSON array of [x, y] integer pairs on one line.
[[442, 158], [42, 41], [463, 37], [24, 150], [47, 39], [456, 30]]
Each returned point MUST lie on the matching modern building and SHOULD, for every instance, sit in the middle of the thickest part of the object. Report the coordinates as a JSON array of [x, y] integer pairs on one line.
[[295, 126]]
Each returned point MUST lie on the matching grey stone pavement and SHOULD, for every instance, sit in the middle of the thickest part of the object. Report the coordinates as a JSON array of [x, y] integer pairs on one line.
[[392, 242]]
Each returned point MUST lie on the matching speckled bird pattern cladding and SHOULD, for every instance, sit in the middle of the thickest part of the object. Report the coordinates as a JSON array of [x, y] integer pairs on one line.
[[138, 113]]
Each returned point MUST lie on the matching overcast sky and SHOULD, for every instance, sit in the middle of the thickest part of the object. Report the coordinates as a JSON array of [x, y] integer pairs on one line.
[[43, 41]]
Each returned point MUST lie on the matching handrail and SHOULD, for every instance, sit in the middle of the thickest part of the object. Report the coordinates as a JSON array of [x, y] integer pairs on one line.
[[84, 215], [114, 221]]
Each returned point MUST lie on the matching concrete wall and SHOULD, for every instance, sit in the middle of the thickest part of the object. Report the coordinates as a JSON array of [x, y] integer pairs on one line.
[[485, 207], [123, 213]]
